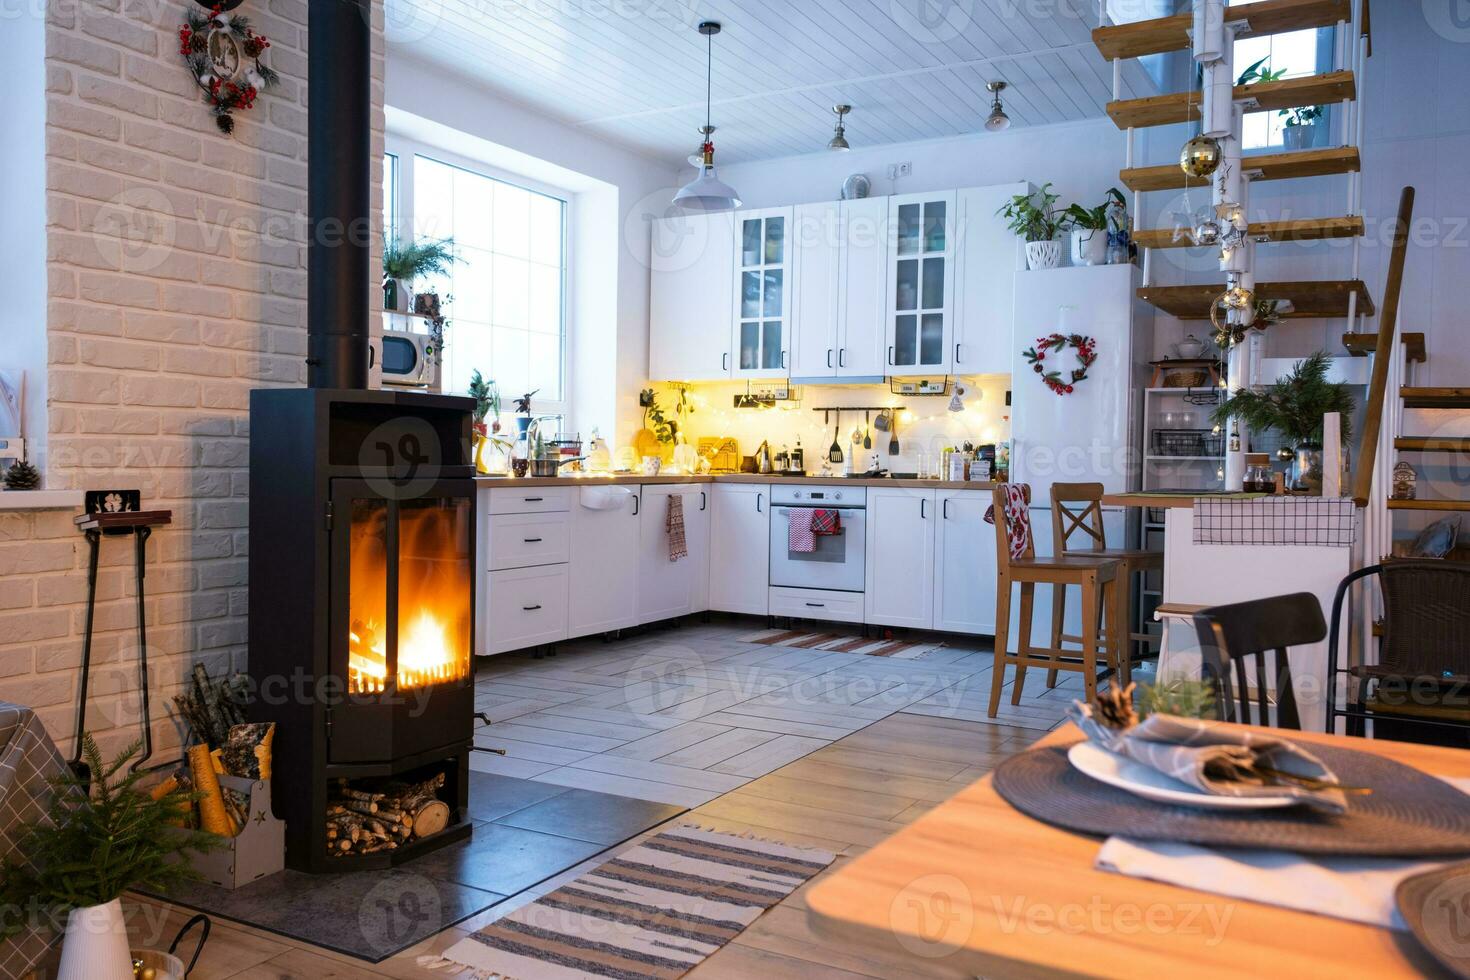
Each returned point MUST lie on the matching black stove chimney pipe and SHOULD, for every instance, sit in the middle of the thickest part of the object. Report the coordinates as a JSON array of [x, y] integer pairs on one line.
[[339, 185]]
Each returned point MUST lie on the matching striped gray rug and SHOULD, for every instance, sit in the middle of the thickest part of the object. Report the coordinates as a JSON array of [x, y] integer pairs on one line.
[[654, 911], [844, 643]]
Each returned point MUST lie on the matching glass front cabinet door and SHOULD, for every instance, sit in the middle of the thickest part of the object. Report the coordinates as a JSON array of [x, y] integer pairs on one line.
[[921, 283], [763, 292]]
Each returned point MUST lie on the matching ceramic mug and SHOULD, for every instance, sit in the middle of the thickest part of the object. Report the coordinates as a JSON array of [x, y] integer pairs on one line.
[[651, 465]]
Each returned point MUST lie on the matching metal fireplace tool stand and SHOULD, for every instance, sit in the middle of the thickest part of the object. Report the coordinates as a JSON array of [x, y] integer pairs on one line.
[[140, 525]]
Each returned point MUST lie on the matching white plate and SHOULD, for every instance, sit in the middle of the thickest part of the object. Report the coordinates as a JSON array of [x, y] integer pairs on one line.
[[1140, 780]]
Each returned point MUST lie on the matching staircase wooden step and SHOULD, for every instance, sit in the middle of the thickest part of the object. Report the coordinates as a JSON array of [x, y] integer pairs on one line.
[[1178, 107], [1363, 344], [1435, 397], [1432, 444], [1324, 298], [1286, 230], [1263, 166], [1172, 33], [1457, 505]]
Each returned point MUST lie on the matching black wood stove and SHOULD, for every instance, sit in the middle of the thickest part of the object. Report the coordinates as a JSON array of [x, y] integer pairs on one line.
[[362, 521]]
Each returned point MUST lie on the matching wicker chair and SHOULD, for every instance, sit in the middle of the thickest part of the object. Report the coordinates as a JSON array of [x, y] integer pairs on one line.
[[1419, 689], [1233, 635]]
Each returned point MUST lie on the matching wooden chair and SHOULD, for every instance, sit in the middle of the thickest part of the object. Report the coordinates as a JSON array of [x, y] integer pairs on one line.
[[1017, 564], [1076, 509], [1234, 635]]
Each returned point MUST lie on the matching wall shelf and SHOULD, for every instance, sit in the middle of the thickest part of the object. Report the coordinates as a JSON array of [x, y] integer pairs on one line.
[[40, 499]]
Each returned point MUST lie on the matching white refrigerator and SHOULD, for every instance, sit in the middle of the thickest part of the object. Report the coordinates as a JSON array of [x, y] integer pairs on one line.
[[1093, 433]]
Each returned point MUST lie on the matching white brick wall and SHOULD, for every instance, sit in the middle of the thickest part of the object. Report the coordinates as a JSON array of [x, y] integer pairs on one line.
[[177, 280]]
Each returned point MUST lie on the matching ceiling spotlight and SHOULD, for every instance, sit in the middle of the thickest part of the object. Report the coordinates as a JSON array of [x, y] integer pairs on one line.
[[839, 136], [707, 192], [998, 120]]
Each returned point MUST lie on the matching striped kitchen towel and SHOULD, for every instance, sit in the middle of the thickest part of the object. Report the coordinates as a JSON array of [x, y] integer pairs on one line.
[[800, 538], [674, 525]]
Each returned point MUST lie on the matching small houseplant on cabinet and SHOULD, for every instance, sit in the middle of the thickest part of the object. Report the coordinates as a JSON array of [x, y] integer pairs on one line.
[[1090, 228], [402, 264], [1301, 127], [1294, 407], [96, 842], [1036, 218]]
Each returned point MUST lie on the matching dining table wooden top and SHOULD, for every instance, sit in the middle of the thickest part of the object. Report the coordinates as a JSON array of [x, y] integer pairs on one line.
[[975, 887]]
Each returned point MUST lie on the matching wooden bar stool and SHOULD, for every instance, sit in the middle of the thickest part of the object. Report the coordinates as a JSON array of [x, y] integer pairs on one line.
[[1016, 563], [1076, 508]]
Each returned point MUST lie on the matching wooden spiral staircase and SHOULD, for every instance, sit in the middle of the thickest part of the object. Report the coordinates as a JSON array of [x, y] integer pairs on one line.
[[1347, 298]]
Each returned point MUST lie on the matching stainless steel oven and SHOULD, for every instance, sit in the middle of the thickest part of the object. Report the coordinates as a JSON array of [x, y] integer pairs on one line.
[[837, 561]]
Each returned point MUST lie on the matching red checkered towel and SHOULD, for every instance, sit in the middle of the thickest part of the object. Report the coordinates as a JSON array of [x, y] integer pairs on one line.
[[800, 539], [826, 522]]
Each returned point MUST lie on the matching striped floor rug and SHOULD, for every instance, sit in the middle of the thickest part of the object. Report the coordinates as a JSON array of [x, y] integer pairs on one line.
[[654, 911], [843, 643]]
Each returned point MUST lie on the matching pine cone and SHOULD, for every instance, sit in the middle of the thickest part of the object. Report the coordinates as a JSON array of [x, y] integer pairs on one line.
[[22, 476], [1114, 707]]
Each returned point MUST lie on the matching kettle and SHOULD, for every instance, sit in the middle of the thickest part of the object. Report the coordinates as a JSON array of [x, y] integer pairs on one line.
[[763, 458]]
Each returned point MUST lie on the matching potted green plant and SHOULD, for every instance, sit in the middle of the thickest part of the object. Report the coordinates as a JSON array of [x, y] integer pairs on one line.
[[1036, 218], [1301, 126], [97, 841], [1090, 228], [1294, 407], [402, 264]]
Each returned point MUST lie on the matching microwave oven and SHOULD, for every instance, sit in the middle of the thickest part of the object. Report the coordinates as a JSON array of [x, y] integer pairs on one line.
[[407, 359]]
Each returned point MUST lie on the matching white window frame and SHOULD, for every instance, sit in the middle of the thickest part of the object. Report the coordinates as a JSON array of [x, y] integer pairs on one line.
[[1326, 62], [408, 150]]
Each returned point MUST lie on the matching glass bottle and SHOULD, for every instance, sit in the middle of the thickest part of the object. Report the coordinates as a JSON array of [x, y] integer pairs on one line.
[[1258, 476]]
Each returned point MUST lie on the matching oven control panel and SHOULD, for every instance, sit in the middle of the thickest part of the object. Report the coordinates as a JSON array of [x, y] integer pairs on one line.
[[819, 496]]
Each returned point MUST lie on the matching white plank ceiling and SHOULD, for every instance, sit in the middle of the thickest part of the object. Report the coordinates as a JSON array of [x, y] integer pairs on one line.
[[634, 70]]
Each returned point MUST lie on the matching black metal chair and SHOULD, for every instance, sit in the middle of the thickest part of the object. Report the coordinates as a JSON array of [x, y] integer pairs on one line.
[[1419, 690], [1232, 636]]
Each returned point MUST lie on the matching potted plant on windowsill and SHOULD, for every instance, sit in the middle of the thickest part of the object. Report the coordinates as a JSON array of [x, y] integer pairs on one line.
[[402, 264], [1294, 407], [1035, 218], [96, 842], [1090, 228], [1301, 126]]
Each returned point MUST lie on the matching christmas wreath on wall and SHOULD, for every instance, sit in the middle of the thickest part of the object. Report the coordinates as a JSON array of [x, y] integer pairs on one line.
[[223, 54], [1055, 344]]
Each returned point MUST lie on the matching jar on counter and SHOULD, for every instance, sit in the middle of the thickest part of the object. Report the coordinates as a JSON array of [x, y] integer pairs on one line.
[[1258, 475]]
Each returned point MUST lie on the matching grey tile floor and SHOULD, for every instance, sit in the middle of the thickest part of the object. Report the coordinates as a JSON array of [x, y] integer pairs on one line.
[[685, 714]]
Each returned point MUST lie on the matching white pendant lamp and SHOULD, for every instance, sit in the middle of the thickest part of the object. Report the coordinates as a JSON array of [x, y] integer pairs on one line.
[[707, 192], [998, 119]]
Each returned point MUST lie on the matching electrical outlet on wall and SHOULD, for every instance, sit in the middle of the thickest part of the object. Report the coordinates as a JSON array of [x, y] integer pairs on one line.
[[897, 170]]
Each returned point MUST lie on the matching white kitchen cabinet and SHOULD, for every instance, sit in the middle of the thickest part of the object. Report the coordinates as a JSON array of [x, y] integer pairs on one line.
[[900, 557], [986, 260], [740, 548], [863, 296], [840, 262], [817, 264], [691, 297], [603, 572], [527, 540], [527, 607], [667, 589], [920, 280], [763, 284], [964, 563]]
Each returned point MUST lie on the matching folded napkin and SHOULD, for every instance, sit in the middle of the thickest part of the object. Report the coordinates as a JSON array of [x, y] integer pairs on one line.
[[1215, 759]]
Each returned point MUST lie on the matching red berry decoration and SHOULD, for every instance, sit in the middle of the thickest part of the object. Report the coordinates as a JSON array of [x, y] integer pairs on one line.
[[1086, 352]]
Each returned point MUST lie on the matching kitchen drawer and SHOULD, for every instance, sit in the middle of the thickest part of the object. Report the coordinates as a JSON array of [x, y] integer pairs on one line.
[[832, 607], [527, 607], [526, 540], [530, 500]]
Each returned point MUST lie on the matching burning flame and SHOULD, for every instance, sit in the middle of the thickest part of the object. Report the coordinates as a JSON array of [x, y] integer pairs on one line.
[[435, 585]]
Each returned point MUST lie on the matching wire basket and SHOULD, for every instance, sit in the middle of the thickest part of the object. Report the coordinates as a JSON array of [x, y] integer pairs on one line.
[[1188, 442]]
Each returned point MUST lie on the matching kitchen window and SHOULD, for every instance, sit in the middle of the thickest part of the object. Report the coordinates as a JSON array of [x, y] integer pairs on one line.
[[1300, 54], [505, 297]]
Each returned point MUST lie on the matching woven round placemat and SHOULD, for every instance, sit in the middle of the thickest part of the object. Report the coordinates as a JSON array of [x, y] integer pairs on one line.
[[1433, 905], [1408, 814]]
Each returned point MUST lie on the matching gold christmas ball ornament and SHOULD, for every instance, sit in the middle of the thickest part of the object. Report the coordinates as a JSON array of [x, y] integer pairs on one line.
[[1238, 298], [1200, 156]]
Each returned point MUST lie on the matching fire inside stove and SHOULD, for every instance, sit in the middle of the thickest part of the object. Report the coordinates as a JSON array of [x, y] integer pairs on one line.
[[433, 582]]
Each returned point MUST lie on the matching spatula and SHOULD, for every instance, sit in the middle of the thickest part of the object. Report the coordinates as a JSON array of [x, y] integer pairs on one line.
[[867, 430], [834, 454], [893, 434]]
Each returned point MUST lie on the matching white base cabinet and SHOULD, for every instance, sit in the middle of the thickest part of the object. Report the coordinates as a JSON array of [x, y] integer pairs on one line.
[[740, 548], [527, 607], [667, 589], [900, 557], [964, 563], [603, 573]]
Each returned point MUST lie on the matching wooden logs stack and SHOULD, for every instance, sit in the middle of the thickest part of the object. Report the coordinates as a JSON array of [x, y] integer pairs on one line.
[[366, 822]]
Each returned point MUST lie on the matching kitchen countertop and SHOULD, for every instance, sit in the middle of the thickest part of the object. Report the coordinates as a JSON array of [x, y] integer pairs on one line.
[[634, 479]]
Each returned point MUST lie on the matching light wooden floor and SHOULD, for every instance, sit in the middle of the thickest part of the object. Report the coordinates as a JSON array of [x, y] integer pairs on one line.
[[845, 794]]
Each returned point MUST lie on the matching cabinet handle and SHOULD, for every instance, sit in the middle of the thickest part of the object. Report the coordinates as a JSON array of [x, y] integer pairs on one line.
[[636, 504], [529, 608], [725, 361], [783, 360], [890, 353], [944, 508], [758, 502], [829, 357], [923, 509], [703, 500], [531, 540], [534, 500], [817, 605], [842, 357], [957, 353]]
